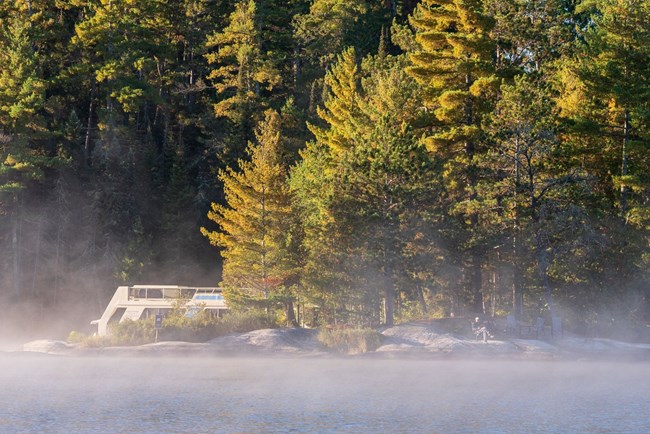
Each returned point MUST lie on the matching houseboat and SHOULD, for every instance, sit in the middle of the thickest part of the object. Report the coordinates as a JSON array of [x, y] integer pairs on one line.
[[142, 301]]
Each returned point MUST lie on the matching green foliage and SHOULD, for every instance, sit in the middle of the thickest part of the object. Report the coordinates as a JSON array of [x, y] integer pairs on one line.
[[203, 326], [241, 68], [241, 321], [129, 332], [494, 154], [254, 227], [86, 341], [613, 68], [347, 340], [22, 92], [365, 175], [324, 31]]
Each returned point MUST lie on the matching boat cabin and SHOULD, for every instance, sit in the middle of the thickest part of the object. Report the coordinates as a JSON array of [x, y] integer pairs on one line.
[[142, 301]]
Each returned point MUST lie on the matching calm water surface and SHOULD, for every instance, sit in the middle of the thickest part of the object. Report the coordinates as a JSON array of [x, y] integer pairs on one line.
[[52, 394]]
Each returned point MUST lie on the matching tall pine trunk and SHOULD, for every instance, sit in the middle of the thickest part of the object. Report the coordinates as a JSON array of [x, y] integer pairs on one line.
[[15, 251], [389, 284], [290, 313], [517, 290], [421, 300], [542, 265], [517, 278], [89, 125], [476, 283], [626, 139]]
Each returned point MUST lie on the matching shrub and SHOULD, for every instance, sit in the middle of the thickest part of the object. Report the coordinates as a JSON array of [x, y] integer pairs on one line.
[[84, 340], [245, 321], [177, 327], [350, 340], [203, 327], [129, 332]]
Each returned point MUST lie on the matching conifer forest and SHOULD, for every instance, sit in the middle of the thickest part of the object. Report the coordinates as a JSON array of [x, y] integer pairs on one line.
[[359, 162]]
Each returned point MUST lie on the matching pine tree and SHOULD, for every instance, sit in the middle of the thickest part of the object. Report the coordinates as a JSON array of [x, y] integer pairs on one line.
[[325, 30], [605, 94], [126, 48], [455, 63], [362, 179], [242, 70], [254, 226], [178, 234], [341, 105], [615, 70], [535, 198], [328, 267], [531, 35], [22, 161]]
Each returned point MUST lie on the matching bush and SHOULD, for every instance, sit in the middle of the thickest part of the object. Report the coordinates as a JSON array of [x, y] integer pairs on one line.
[[129, 332], [177, 327], [84, 340], [246, 321], [203, 327], [350, 340]]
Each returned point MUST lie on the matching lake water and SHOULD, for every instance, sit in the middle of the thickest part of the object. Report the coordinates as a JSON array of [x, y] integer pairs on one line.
[[52, 394]]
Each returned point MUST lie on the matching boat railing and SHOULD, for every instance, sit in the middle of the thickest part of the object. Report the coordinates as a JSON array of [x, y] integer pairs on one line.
[[174, 293]]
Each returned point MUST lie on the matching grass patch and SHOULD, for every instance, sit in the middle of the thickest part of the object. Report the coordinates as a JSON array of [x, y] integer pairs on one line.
[[346, 340]]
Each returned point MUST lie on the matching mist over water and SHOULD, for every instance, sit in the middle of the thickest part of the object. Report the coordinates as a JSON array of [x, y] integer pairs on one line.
[[88, 394]]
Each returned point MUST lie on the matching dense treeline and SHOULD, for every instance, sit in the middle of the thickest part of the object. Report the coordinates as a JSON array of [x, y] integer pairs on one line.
[[354, 162]]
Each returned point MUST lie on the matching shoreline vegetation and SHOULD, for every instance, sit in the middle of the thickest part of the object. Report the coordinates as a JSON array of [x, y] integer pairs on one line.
[[411, 340]]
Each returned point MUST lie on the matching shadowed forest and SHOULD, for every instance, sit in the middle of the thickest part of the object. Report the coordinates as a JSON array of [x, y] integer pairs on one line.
[[349, 162]]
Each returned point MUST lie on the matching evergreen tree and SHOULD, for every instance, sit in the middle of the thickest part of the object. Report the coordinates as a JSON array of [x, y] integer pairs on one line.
[[535, 198], [242, 70], [126, 48], [341, 105], [455, 63], [325, 30], [254, 227], [328, 269], [373, 175], [22, 159], [615, 70], [605, 94], [178, 239], [531, 35]]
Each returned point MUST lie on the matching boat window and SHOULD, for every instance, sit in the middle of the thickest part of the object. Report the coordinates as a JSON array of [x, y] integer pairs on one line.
[[171, 293], [187, 292], [117, 315]]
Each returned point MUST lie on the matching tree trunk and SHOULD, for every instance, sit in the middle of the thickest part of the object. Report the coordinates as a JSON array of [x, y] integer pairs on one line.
[[517, 277], [517, 293], [423, 303], [291, 314], [15, 259], [389, 304], [517, 290], [626, 138], [646, 304], [89, 125], [476, 283], [542, 263], [389, 283], [296, 65]]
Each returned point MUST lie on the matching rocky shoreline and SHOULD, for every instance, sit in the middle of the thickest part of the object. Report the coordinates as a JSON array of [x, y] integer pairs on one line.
[[414, 340]]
